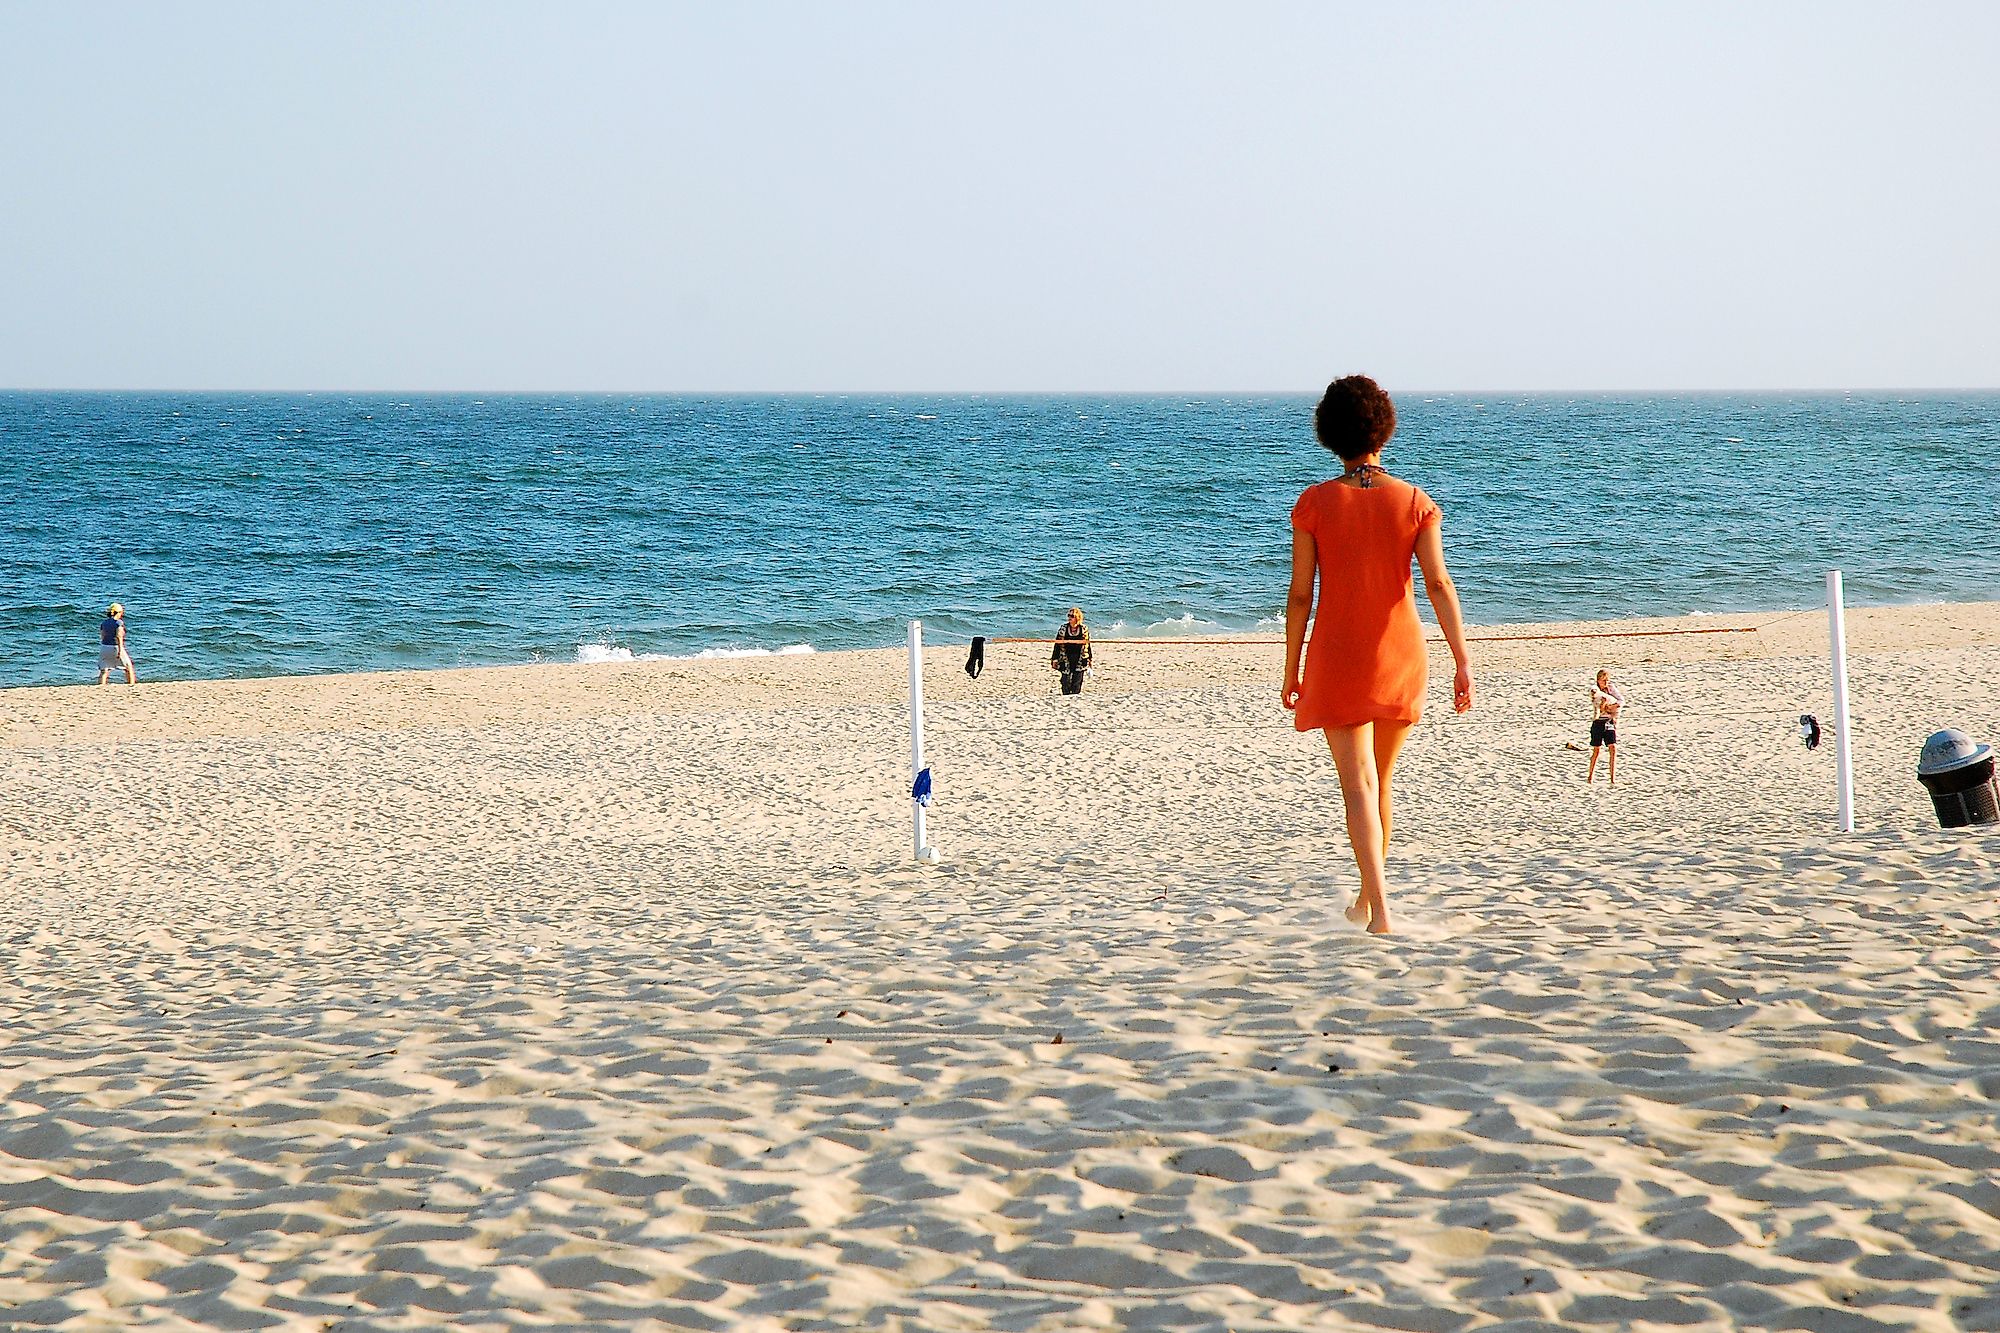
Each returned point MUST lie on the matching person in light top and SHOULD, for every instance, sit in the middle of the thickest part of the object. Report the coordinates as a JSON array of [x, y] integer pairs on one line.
[[1605, 701]]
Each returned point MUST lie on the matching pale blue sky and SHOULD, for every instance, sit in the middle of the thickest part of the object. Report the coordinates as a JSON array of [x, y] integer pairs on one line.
[[1063, 196]]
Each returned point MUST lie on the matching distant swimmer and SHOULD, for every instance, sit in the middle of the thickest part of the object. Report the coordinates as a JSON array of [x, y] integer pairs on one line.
[[1071, 657], [1605, 701], [111, 646], [1363, 679]]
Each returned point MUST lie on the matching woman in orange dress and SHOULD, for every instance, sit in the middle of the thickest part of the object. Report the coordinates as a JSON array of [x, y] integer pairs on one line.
[[1363, 682]]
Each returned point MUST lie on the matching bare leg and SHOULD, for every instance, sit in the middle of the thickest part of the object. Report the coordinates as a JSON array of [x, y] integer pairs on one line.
[[1591, 776], [1389, 738], [1611, 764], [103, 674], [1361, 792]]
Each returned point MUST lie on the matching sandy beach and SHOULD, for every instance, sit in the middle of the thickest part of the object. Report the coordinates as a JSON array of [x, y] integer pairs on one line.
[[609, 996]]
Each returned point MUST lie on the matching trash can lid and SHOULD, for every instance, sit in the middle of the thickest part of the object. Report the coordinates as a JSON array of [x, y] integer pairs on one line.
[[1949, 750]]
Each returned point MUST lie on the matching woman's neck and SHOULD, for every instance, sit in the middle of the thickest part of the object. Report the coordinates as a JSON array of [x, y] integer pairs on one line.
[[1361, 472]]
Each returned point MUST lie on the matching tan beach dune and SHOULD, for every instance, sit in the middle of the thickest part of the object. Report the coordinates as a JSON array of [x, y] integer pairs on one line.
[[579, 996]]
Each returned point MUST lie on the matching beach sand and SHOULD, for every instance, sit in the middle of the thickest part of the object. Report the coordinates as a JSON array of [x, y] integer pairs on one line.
[[610, 996]]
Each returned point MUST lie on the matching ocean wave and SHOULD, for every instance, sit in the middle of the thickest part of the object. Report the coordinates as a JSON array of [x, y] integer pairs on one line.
[[1189, 625], [592, 653], [788, 650]]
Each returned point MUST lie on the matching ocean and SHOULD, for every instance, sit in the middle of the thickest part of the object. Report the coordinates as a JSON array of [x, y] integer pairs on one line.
[[262, 534]]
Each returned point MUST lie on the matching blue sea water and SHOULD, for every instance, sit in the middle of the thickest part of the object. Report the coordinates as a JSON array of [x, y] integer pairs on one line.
[[261, 534]]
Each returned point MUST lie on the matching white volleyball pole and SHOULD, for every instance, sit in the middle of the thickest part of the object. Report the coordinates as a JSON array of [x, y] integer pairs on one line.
[[921, 847], [1843, 751]]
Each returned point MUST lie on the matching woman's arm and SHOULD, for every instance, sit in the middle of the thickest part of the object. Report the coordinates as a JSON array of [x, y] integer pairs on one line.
[[1444, 601], [1298, 609]]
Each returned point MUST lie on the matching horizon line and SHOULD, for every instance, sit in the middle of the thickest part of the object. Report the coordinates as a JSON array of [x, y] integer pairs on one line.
[[997, 393]]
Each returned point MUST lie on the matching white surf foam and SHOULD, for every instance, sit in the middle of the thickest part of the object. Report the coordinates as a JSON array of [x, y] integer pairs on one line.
[[603, 652], [789, 650], [591, 653], [1188, 625]]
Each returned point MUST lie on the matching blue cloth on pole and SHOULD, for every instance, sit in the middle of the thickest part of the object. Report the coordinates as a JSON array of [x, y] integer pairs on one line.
[[921, 788]]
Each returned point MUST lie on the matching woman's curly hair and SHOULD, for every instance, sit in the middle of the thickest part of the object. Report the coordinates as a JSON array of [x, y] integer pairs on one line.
[[1355, 418]]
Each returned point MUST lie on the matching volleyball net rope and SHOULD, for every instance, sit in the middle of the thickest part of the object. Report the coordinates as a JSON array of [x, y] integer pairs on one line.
[[1224, 641], [974, 658], [1080, 647]]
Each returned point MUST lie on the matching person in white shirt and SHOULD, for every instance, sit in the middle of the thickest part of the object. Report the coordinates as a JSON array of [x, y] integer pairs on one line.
[[1605, 701]]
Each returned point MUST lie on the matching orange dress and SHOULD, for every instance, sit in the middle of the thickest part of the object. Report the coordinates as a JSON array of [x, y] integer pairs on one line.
[[1365, 653]]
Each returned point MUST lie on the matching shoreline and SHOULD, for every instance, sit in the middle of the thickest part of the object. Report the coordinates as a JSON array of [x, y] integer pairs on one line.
[[1497, 629]]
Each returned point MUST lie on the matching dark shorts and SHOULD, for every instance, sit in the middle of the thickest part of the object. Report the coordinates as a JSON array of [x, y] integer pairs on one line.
[[1603, 731]]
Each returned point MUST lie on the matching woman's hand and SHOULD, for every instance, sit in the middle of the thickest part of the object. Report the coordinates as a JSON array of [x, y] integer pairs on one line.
[[1291, 696], [1461, 689]]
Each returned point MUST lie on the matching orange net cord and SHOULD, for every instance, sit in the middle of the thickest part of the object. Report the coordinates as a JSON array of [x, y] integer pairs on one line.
[[1470, 638]]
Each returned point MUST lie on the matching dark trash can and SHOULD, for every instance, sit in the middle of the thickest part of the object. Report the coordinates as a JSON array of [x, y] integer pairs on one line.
[[1958, 773]]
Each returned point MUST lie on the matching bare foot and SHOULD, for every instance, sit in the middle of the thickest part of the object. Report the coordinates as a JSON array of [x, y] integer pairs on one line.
[[1356, 912], [1379, 926]]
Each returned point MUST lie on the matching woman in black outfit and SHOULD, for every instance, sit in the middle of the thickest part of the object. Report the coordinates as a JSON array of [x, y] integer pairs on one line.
[[1072, 652]]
